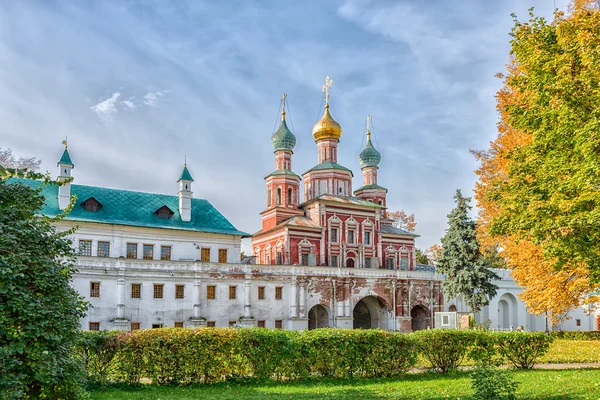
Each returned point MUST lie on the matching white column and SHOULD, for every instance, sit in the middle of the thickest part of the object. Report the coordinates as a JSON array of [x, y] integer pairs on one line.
[[247, 293], [197, 288], [293, 299], [120, 297], [303, 310]]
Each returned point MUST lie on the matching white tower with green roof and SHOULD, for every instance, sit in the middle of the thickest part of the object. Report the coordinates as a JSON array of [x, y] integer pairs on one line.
[[65, 166], [185, 194]]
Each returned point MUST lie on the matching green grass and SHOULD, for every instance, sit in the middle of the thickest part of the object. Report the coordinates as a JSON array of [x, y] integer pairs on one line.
[[573, 351], [535, 384]]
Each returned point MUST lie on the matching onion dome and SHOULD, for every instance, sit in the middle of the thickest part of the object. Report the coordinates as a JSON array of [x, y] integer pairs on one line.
[[283, 138], [327, 127], [369, 156]]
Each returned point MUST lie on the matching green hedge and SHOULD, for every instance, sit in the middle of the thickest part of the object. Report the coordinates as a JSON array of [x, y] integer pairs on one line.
[[207, 355], [576, 335]]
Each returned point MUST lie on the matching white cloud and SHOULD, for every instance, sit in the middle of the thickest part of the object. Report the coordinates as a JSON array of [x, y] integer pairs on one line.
[[152, 99], [108, 107], [129, 103]]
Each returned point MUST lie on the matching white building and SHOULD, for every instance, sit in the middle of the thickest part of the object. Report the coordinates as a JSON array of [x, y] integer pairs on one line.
[[507, 311]]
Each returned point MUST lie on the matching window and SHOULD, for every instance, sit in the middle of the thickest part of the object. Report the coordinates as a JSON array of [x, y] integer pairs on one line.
[[333, 235], [205, 254], [136, 290], [350, 238], [211, 324], [232, 323], [260, 324], [158, 290], [578, 322], [278, 324], [389, 263], [164, 212], [94, 289], [278, 292], [157, 326], [148, 252], [333, 261], [261, 292], [131, 250], [368, 262], [210, 292], [91, 205], [279, 258], [179, 291], [94, 326], [278, 196], [232, 292], [304, 260], [222, 255], [289, 199], [445, 320], [404, 264], [103, 249], [269, 198], [367, 238], [165, 252], [178, 324], [135, 326], [85, 247]]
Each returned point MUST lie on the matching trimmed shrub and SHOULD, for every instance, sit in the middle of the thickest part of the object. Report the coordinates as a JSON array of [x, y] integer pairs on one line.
[[97, 351], [489, 382], [522, 349], [445, 349], [269, 354], [576, 335]]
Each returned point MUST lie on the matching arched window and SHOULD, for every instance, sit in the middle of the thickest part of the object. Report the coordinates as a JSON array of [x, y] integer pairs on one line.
[[269, 199], [289, 197], [278, 196]]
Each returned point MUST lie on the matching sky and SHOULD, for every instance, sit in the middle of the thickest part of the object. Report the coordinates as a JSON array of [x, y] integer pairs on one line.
[[138, 86]]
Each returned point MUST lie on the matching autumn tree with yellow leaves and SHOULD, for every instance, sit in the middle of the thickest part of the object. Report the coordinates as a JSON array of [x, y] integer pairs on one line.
[[539, 181]]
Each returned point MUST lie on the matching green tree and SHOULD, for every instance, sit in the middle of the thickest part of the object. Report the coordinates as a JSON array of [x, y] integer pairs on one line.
[[421, 257], [462, 261], [39, 310]]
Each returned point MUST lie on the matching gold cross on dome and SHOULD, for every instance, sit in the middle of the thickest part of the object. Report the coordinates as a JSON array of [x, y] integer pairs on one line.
[[369, 127], [325, 88], [283, 96]]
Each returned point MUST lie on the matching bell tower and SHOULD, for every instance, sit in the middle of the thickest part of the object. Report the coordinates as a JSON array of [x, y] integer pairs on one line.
[[65, 165]]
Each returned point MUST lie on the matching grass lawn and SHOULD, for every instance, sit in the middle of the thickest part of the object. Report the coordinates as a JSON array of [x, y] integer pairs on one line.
[[536, 384], [573, 351]]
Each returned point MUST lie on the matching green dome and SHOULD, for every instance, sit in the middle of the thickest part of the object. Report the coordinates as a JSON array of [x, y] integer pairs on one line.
[[369, 157], [283, 138]]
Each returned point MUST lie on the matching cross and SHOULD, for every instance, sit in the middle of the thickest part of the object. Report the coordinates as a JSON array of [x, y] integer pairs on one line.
[[64, 142], [369, 123], [325, 88], [185, 160], [283, 96]]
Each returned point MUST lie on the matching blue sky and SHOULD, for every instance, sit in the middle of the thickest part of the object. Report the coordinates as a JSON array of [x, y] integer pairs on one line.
[[137, 85]]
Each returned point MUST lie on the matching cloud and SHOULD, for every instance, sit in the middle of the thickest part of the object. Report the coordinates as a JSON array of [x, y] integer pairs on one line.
[[107, 107], [153, 99]]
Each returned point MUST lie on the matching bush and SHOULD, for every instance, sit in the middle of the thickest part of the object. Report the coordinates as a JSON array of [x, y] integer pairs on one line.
[[522, 349], [97, 351], [489, 382], [576, 335], [445, 349]]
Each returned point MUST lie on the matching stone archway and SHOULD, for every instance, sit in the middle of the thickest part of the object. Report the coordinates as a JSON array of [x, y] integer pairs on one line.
[[419, 317], [371, 312], [507, 312], [318, 317], [452, 308]]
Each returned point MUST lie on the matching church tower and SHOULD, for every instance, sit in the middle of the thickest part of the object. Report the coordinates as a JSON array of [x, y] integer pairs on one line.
[[65, 165], [327, 177], [369, 159], [282, 184], [185, 194]]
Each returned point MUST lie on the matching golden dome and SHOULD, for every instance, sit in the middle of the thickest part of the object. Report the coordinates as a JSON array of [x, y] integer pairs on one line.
[[327, 127]]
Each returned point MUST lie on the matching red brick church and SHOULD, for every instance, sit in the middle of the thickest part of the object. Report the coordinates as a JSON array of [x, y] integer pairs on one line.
[[333, 225]]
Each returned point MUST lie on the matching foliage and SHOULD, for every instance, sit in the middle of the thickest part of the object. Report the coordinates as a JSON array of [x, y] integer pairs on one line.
[[572, 351], [461, 260], [97, 350], [421, 257], [8, 160], [522, 349], [489, 382], [576, 335], [537, 191], [39, 310], [402, 220], [207, 355], [445, 349], [433, 253]]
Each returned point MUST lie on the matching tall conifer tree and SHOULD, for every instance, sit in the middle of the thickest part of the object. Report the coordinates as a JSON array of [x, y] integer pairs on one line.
[[462, 261]]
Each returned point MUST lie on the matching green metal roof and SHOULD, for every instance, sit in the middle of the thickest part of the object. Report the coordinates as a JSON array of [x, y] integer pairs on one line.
[[66, 159], [124, 207], [328, 165], [282, 172], [369, 187], [369, 156], [283, 138], [185, 175]]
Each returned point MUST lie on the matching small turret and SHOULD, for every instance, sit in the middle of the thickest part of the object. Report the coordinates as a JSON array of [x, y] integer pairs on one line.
[[185, 194], [65, 165]]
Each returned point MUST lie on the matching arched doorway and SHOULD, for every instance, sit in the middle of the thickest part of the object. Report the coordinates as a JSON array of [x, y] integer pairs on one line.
[[503, 312], [372, 313], [318, 317], [507, 312], [452, 308], [350, 263], [419, 317], [361, 316]]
